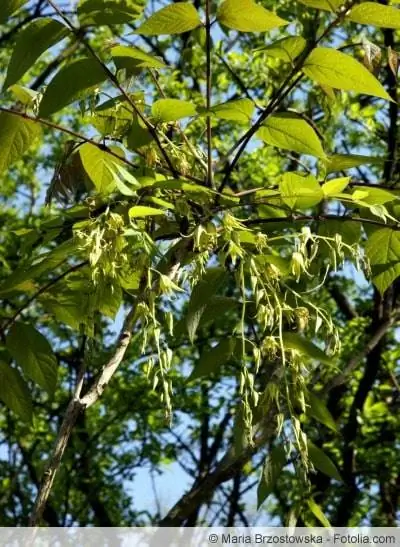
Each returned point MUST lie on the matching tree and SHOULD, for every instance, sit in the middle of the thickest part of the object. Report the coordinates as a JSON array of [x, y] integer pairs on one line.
[[217, 170]]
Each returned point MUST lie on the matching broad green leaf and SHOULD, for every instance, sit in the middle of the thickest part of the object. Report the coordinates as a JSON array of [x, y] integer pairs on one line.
[[374, 196], [383, 252], [207, 287], [349, 231], [38, 266], [378, 15], [9, 7], [212, 359], [109, 12], [99, 166], [247, 16], [327, 5], [16, 136], [33, 40], [300, 192], [318, 513], [272, 470], [240, 110], [138, 135], [113, 121], [322, 462], [333, 68], [318, 410], [33, 353], [291, 340], [286, 49], [170, 110], [341, 162], [291, 132], [71, 83], [14, 392], [173, 19], [335, 186], [133, 59], [143, 211]]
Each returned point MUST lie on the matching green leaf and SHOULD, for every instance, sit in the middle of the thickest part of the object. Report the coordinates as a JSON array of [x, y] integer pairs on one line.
[[341, 162], [170, 110], [322, 462], [32, 42], [15, 393], [378, 15], [143, 211], [335, 69], [16, 136], [133, 59], [294, 341], [374, 196], [240, 110], [318, 513], [71, 83], [383, 252], [9, 7], [34, 355], [335, 186], [173, 19], [247, 16], [300, 192], [34, 268], [291, 132], [349, 231], [212, 359], [121, 177], [24, 95], [138, 135], [327, 5], [272, 470], [207, 287], [109, 12], [319, 411], [286, 49], [99, 166]]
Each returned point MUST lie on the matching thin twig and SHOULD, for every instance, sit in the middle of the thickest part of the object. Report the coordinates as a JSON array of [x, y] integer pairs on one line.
[[210, 174]]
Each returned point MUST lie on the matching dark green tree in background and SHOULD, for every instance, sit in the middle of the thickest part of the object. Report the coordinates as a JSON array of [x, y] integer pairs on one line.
[[200, 251]]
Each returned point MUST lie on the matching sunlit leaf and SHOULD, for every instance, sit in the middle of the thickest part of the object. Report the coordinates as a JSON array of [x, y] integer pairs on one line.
[[333, 68], [378, 15], [291, 132], [383, 252], [300, 192], [172, 19], [247, 16], [169, 110], [16, 136]]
